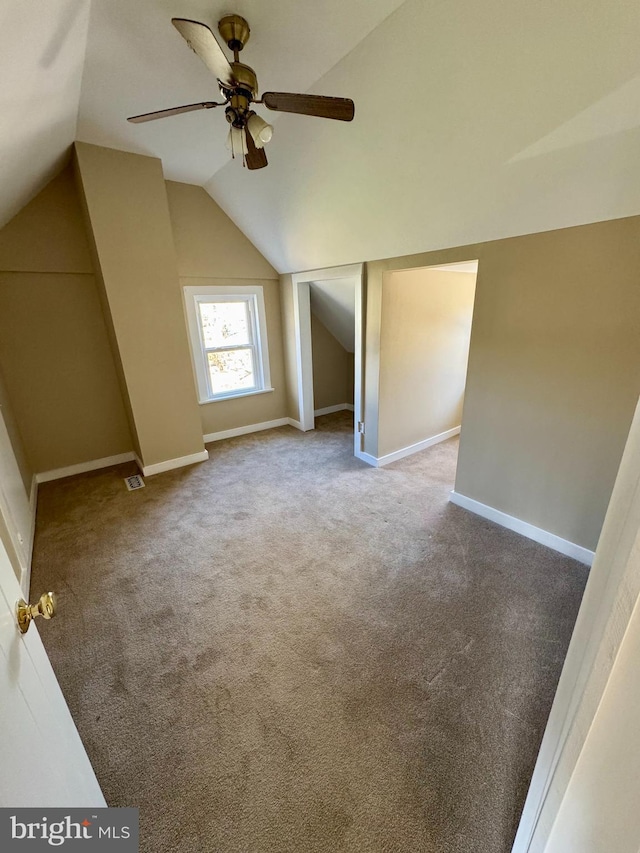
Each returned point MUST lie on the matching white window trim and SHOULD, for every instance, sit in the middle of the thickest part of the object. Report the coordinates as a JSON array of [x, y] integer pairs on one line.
[[254, 295]]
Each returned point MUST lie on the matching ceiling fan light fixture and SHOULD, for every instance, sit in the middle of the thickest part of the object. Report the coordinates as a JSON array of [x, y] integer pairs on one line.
[[236, 142], [249, 133], [260, 130]]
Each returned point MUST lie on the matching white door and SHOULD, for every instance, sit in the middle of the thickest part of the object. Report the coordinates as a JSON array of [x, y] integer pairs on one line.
[[42, 760], [14, 504]]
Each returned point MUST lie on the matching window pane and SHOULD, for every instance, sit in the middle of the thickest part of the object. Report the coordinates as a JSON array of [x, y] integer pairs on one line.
[[225, 323], [231, 371]]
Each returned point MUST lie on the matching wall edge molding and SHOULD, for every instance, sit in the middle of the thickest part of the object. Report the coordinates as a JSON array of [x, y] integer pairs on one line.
[[245, 430], [537, 534], [367, 457], [83, 467], [329, 410], [170, 464], [417, 447]]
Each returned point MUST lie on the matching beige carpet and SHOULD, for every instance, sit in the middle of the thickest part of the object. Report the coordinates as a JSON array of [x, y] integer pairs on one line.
[[284, 650]]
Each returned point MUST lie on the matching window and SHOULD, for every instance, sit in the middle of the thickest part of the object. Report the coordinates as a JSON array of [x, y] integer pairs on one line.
[[228, 334]]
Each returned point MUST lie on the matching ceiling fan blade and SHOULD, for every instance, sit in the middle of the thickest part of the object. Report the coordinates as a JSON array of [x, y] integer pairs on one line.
[[202, 41], [342, 109], [173, 111], [255, 158]]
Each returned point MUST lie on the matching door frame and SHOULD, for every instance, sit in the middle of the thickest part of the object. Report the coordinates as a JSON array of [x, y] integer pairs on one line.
[[304, 356], [17, 509], [612, 591]]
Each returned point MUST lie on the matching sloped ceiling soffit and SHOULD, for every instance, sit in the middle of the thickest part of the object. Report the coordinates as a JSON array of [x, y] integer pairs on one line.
[[474, 121]]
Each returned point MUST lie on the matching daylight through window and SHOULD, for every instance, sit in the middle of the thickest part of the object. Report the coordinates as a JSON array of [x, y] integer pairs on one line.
[[228, 341]]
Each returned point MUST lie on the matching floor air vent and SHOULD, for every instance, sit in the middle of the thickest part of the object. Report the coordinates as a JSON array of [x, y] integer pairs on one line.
[[135, 482]]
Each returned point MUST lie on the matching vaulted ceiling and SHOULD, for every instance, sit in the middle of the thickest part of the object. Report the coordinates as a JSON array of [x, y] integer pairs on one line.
[[473, 120]]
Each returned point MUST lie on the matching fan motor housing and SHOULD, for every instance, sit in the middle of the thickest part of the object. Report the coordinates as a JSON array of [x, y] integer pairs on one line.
[[241, 95], [245, 78], [235, 31]]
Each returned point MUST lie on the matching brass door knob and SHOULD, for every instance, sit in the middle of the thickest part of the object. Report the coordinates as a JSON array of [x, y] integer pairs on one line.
[[46, 607]]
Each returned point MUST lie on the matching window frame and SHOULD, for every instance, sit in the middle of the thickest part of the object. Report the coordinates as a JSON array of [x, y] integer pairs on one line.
[[253, 295]]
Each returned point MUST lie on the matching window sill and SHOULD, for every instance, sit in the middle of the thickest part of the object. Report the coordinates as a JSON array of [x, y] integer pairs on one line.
[[234, 396]]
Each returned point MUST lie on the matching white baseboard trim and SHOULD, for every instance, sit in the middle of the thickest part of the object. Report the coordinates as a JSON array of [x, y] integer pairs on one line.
[[569, 549], [416, 448], [249, 428], [244, 430], [367, 457], [297, 424], [83, 467], [170, 464], [329, 410]]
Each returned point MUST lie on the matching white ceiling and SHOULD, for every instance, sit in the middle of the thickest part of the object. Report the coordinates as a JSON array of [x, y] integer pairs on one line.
[[137, 62], [473, 120], [41, 59], [470, 267], [334, 303]]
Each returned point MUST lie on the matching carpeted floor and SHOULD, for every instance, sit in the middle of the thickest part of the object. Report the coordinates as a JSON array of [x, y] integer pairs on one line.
[[283, 650]]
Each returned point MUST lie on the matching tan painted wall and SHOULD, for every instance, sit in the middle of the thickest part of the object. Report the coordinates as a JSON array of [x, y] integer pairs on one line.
[[57, 363], [332, 368], [208, 244], [211, 250], [48, 234], [424, 346], [554, 371], [289, 348], [106, 311], [59, 369], [126, 201]]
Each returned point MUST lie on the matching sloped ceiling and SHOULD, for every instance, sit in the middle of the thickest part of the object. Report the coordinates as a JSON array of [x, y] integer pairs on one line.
[[65, 77], [41, 58], [473, 120], [334, 304], [137, 62]]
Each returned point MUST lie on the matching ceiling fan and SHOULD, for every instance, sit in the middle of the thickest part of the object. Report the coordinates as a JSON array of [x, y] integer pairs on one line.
[[238, 83]]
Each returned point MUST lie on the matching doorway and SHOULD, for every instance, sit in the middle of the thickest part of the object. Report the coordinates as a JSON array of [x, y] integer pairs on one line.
[[333, 345], [425, 331], [329, 302]]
